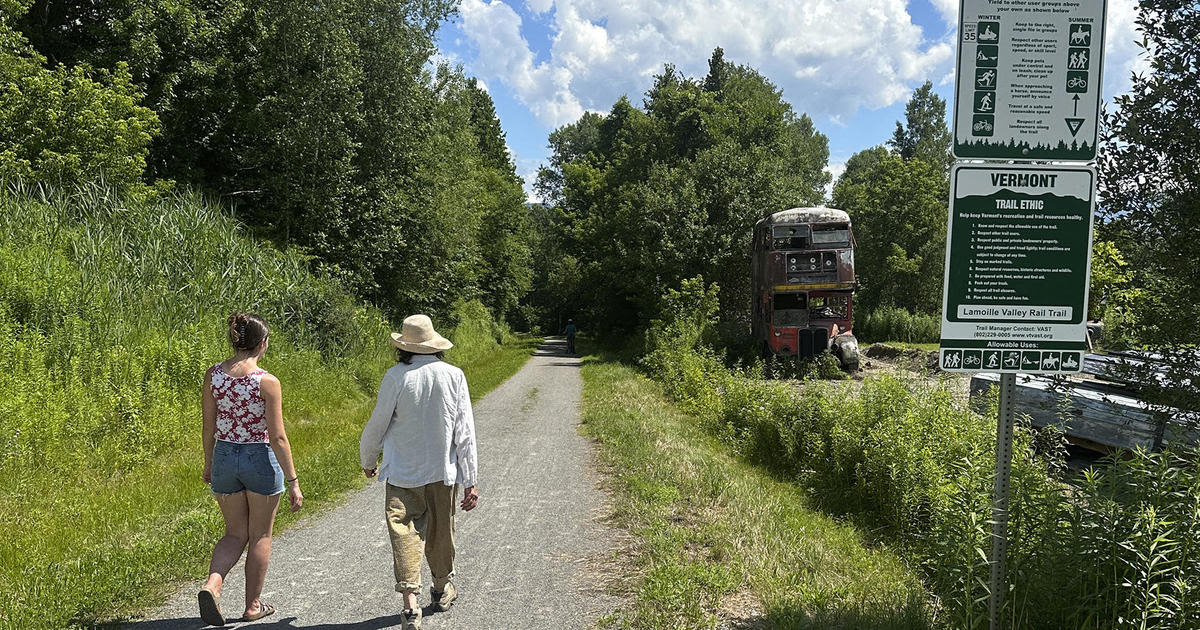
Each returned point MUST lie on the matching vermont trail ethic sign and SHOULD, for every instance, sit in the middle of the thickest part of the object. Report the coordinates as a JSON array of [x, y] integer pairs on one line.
[[1018, 254], [1029, 79]]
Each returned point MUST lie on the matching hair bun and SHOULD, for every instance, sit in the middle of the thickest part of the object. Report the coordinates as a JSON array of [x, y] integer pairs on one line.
[[237, 328], [246, 330]]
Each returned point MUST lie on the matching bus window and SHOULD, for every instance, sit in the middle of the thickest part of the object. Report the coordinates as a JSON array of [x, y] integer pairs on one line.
[[828, 306], [790, 237], [831, 235], [790, 309]]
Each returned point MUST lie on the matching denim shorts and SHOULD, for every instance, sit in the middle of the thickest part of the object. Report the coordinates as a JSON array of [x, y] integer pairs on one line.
[[252, 467]]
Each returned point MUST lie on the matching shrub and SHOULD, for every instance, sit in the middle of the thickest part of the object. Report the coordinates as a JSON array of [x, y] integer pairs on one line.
[[896, 324], [1118, 549]]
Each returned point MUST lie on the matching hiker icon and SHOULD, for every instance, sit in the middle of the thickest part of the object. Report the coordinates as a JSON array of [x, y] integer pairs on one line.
[[952, 359], [1081, 35], [1078, 59]]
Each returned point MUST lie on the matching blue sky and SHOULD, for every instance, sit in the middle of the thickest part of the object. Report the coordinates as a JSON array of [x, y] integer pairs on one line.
[[849, 64]]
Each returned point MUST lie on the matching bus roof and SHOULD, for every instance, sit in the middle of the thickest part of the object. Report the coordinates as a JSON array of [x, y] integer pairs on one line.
[[819, 214]]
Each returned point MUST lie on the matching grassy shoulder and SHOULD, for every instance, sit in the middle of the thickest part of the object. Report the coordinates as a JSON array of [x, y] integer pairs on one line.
[[111, 309], [717, 538]]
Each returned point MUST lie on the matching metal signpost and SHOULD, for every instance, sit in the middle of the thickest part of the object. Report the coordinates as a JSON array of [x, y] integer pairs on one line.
[[1019, 240], [1028, 83], [1018, 258]]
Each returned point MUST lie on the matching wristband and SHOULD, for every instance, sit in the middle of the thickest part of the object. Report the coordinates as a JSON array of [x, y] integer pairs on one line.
[[292, 479]]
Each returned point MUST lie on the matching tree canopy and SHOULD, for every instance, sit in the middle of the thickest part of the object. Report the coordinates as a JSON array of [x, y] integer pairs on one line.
[[646, 197], [924, 134], [322, 125], [897, 202]]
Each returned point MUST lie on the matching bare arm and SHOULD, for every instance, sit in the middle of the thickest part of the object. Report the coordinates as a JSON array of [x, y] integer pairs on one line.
[[272, 393], [208, 408]]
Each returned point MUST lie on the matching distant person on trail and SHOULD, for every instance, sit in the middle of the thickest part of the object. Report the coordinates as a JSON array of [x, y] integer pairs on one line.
[[571, 330], [424, 426], [247, 461]]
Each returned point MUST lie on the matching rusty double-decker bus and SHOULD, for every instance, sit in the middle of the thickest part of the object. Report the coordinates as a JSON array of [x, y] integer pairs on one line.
[[803, 284]]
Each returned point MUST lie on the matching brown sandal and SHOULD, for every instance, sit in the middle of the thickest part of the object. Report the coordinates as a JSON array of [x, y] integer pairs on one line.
[[264, 609], [210, 608]]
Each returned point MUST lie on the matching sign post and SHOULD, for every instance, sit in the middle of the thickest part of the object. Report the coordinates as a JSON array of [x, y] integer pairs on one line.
[[1028, 83], [1018, 248], [1008, 386], [1018, 260]]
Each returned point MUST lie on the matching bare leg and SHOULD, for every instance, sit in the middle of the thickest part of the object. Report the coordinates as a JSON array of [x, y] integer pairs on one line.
[[229, 549], [258, 555]]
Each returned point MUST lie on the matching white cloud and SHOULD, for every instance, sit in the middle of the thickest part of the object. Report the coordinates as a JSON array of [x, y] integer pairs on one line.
[[544, 88], [830, 57], [948, 9], [835, 170], [1122, 56], [527, 168]]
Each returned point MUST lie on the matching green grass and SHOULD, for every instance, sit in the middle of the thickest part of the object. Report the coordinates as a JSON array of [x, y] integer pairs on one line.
[[909, 345], [716, 535], [913, 345], [490, 369], [110, 311], [1115, 548], [896, 323]]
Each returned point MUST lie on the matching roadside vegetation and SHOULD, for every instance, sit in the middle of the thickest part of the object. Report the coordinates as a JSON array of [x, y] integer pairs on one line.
[[889, 323], [720, 541], [1118, 549], [161, 166], [111, 310]]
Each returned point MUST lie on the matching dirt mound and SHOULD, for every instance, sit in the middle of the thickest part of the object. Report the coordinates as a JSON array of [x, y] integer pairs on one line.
[[914, 357]]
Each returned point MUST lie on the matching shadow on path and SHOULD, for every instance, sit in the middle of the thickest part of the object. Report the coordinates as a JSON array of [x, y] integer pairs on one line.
[[193, 623]]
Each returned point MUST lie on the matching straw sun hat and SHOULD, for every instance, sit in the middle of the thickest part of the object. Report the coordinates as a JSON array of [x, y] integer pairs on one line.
[[418, 336]]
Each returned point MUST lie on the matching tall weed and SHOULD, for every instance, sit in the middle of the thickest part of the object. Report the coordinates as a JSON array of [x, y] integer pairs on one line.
[[111, 309], [1118, 549], [888, 323]]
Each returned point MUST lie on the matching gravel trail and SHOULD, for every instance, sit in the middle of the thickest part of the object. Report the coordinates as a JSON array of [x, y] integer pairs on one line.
[[526, 555]]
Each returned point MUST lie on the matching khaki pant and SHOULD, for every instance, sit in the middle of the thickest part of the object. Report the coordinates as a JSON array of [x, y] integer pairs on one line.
[[421, 522]]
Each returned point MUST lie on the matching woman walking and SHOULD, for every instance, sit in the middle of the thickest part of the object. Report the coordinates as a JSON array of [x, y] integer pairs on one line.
[[247, 461]]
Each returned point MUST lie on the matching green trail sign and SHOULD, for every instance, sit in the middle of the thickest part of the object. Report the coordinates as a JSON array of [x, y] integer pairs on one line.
[[1017, 268], [1028, 83]]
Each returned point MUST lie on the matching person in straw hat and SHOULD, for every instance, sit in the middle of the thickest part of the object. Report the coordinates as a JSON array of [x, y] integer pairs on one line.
[[424, 427]]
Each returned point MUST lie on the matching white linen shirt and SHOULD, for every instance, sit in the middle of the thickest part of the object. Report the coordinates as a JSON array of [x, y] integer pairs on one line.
[[423, 424]]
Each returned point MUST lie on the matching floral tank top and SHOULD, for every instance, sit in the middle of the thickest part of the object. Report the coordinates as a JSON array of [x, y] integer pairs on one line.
[[241, 412]]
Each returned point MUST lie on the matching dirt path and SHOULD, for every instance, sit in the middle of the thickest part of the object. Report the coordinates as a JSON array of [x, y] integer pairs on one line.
[[523, 554]]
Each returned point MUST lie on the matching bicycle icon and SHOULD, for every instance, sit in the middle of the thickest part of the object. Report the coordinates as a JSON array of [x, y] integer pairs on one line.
[[1077, 81]]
